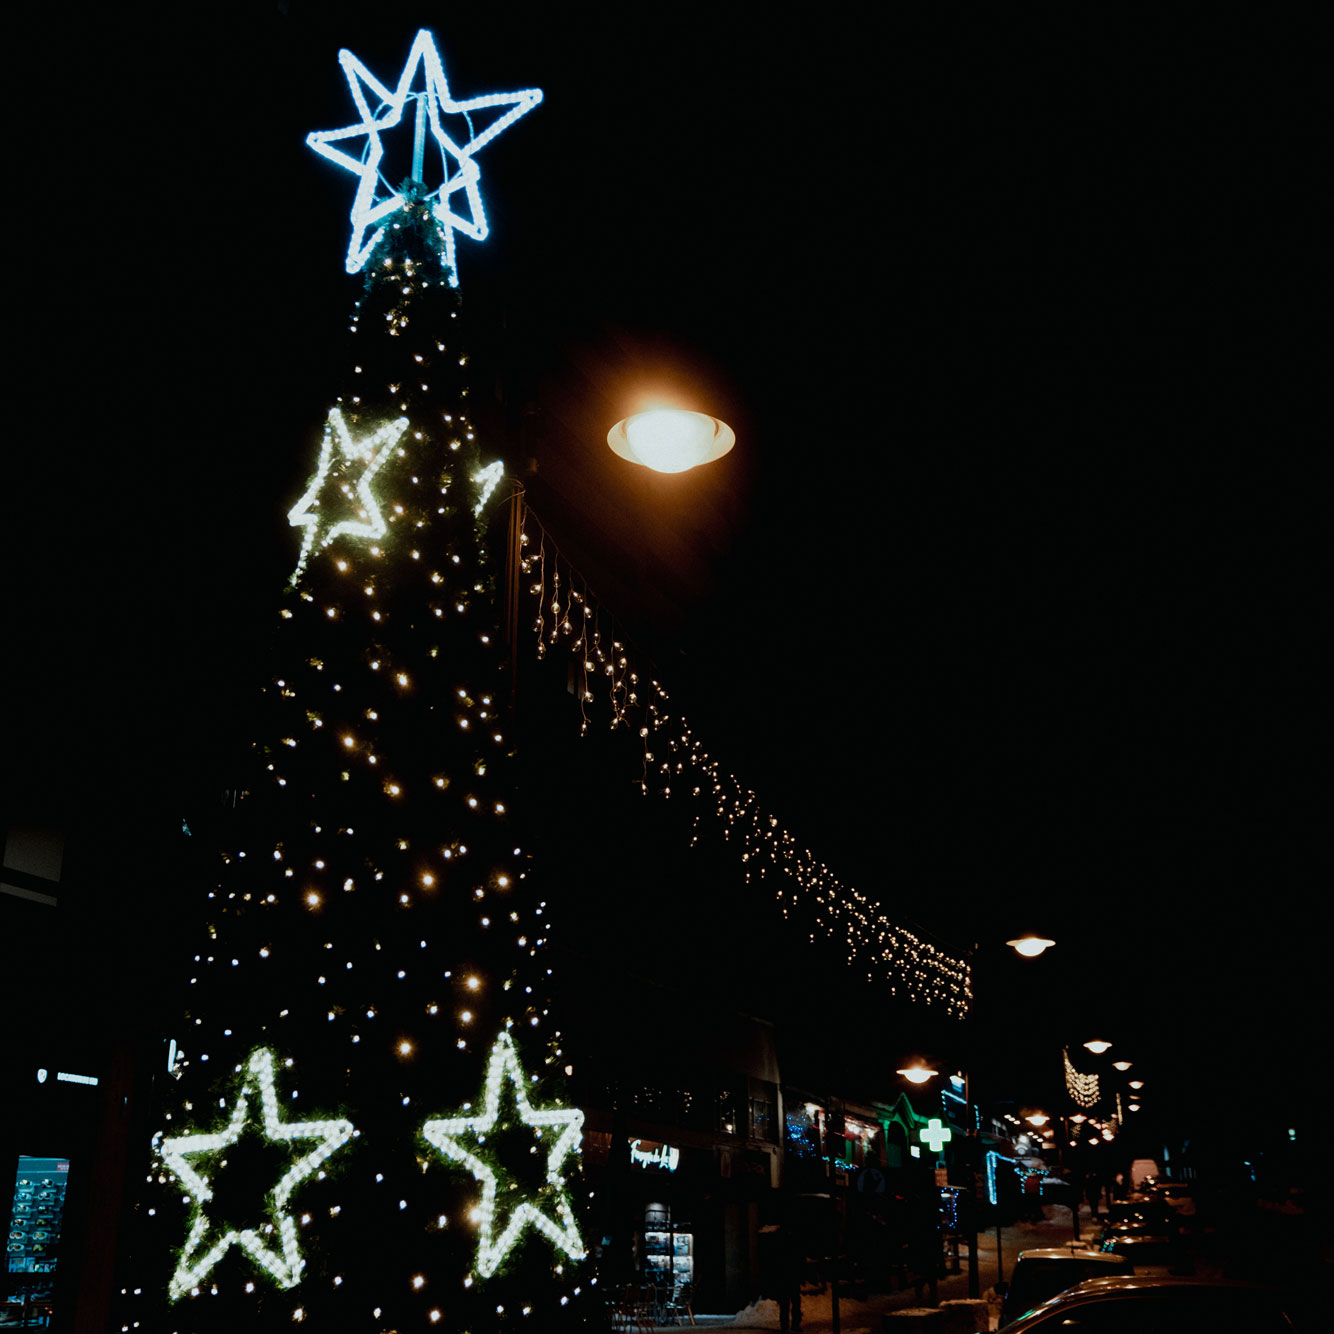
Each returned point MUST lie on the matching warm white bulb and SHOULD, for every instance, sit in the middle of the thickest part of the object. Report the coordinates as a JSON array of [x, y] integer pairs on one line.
[[668, 439], [671, 439], [917, 1074], [1030, 946]]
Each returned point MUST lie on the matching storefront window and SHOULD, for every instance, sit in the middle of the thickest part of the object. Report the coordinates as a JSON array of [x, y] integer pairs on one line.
[[763, 1112], [36, 1217], [729, 1111], [802, 1129]]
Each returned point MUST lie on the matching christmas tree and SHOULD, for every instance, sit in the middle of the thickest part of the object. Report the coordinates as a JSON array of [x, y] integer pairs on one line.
[[368, 1128]]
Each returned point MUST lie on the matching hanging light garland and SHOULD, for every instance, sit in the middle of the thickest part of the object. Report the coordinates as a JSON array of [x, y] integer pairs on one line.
[[1082, 1088], [806, 891]]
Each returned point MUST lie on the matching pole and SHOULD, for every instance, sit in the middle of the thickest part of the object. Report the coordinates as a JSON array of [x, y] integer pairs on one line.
[[419, 139], [1000, 1259], [833, 1221], [974, 1135], [974, 1203]]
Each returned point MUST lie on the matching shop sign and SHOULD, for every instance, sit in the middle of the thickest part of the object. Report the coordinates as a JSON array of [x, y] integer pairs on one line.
[[649, 1153]]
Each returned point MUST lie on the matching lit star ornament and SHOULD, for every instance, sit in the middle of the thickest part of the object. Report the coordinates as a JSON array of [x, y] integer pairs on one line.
[[322, 526], [285, 1263], [445, 1135], [376, 198]]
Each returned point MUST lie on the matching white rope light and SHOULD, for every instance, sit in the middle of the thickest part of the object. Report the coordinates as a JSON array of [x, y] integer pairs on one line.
[[322, 527], [375, 200], [444, 1135], [488, 479], [284, 1265]]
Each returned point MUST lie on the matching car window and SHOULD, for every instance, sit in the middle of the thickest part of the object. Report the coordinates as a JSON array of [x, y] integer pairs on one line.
[[1217, 1312]]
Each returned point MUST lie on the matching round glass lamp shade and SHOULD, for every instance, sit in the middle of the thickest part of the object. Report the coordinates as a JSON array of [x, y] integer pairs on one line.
[[1122, 1065], [1030, 946], [1097, 1046], [917, 1074], [671, 439]]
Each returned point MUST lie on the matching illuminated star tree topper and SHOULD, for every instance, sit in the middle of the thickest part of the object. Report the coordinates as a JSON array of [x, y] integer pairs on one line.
[[457, 199]]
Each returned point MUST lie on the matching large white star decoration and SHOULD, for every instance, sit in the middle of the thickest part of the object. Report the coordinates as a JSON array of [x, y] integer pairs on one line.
[[285, 1263], [322, 526], [376, 198], [444, 1134]]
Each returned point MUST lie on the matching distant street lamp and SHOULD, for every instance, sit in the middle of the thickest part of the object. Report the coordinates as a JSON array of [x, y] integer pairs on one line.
[[1123, 1066], [1030, 946], [1038, 1119], [1136, 1083], [671, 439], [917, 1074], [1097, 1046]]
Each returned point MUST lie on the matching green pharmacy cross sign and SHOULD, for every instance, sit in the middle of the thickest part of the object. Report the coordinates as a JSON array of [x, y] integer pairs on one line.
[[936, 1135]]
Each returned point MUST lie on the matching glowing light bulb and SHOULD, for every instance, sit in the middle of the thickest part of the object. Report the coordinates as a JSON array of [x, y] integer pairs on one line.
[[670, 439], [1030, 946], [917, 1074]]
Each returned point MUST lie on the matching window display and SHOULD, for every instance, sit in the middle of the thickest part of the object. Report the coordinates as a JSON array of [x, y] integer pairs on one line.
[[36, 1215], [669, 1254]]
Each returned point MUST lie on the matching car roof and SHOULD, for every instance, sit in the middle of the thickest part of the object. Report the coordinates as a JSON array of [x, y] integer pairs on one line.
[[1131, 1286], [1097, 1287], [1068, 1253]]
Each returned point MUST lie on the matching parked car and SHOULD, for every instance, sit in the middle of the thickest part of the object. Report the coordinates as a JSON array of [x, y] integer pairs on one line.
[[1115, 1231], [1152, 1212], [1150, 1252], [1159, 1188], [1039, 1274], [1149, 1305]]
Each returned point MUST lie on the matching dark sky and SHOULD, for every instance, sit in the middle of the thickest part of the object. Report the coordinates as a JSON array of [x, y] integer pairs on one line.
[[1011, 599]]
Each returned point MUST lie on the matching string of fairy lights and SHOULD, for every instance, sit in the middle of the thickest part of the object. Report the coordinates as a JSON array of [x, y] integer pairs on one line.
[[807, 893], [1081, 1087]]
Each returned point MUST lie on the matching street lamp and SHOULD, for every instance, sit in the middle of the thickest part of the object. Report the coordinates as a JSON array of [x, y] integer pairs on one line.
[[917, 1074], [671, 439], [1097, 1046], [1038, 1119], [1030, 946], [1123, 1066]]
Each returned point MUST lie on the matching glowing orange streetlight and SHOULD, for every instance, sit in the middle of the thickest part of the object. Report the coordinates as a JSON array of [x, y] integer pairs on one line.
[[671, 439], [917, 1074]]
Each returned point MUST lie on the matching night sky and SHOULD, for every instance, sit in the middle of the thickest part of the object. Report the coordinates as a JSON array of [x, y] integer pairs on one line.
[[1010, 601]]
